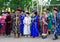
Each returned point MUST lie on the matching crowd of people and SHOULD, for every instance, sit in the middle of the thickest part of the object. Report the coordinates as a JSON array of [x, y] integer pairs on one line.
[[28, 24]]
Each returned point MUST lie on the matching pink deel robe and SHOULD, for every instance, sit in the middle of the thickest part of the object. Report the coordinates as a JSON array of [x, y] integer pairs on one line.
[[2, 20]]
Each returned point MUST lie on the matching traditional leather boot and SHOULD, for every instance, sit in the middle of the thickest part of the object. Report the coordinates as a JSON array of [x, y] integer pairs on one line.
[[55, 37]]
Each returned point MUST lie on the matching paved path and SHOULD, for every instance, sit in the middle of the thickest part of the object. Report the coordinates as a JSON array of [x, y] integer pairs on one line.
[[23, 39]]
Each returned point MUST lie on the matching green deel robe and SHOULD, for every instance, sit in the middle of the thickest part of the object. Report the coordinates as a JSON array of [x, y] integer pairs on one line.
[[50, 15]]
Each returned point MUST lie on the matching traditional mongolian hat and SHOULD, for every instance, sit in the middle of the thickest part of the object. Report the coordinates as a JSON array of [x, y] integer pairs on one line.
[[48, 9], [36, 12], [56, 9]]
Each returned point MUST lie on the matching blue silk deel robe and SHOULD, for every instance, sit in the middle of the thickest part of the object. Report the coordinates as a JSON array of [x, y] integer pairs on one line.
[[34, 26], [57, 26], [21, 22]]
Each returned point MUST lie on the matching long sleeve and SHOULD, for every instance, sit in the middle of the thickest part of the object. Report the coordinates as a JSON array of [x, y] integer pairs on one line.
[[29, 21], [24, 20], [36, 19]]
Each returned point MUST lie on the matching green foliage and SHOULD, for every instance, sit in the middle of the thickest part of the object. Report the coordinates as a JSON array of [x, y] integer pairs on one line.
[[55, 2], [14, 3]]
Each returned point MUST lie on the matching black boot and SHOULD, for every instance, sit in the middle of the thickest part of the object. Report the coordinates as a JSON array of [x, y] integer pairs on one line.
[[22, 34], [18, 35], [49, 32], [56, 37]]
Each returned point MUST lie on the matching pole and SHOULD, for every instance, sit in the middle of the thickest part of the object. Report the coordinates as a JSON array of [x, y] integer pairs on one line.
[[41, 8], [37, 6], [32, 4]]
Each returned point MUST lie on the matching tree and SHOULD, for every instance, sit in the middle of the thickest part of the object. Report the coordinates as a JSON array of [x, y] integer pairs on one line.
[[13, 4], [54, 2]]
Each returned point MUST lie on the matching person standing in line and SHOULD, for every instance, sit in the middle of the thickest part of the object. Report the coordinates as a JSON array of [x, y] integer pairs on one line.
[[2, 21], [16, 24], [57, 23], [8, 21], [27, 23], [49, 21], [21, 17], [34, 25], [44, 24]]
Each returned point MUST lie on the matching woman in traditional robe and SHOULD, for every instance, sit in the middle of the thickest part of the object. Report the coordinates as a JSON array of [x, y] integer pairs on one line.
[[27, 22], [16, 23], [44, 24], [50, 16], [0, 25], [34, 25], [2, 21]]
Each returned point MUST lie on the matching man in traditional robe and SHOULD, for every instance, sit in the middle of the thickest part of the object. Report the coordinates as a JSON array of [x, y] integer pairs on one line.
[[8, 24], [34, 25], [57, 24], [22, 16]]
